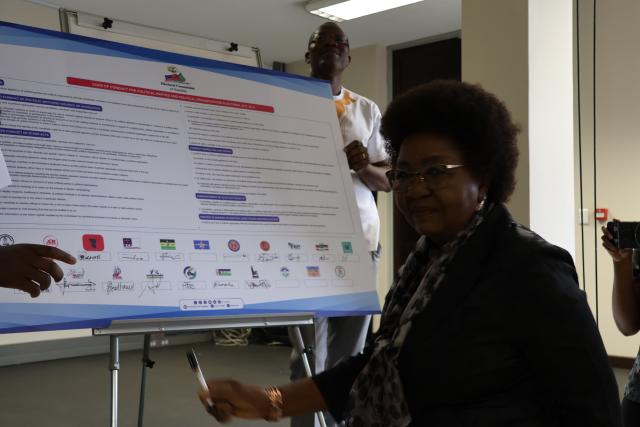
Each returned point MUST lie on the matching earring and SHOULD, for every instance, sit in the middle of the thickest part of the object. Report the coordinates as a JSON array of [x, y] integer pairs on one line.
[[482, 203]]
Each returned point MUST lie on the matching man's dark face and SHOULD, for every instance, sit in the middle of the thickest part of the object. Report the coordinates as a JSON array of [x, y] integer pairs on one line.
[[328, 52]]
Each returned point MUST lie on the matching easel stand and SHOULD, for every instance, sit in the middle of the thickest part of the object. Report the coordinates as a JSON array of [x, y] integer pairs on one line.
[[114, 366], [146, 363], [148, 326], [304, 353]]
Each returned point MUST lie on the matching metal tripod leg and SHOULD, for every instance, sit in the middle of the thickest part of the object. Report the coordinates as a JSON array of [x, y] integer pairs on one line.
[[303, 351], [146, 363], [114, 366]]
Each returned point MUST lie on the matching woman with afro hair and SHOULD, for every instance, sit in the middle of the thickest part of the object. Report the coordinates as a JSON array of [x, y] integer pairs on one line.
[[485, 324]]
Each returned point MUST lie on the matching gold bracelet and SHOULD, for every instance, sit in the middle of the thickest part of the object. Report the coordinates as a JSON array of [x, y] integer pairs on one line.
[[275, 403]]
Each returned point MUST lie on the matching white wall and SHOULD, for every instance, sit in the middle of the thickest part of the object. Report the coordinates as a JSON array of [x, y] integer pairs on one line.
[[524, 51], [27, 13], [617, 151], [495, 55], [551, 151]]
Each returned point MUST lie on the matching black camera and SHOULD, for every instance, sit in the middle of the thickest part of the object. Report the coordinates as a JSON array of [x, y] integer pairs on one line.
[[626, 235]]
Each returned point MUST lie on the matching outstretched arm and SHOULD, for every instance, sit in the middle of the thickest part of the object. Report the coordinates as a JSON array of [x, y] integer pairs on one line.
[[30, 267]]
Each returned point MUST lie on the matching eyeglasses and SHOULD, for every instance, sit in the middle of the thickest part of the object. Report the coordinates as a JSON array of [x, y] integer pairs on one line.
[[434, 177]]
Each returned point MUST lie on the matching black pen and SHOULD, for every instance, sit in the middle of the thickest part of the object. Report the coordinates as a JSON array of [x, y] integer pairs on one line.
[[195, 367]]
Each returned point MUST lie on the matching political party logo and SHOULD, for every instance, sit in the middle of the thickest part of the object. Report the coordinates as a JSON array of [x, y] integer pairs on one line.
[[233, 245], [347, 248], [201, 244], [92, 242], [285, 272], [322, 247], [225, 272], [313, 271], [50, 240], [265, 246], [117, 273], [154, 274], [189, 272], [168, 244], [294, 246], [175, 77], [340, 271], [129, 243], [6, 240], [254, 273]]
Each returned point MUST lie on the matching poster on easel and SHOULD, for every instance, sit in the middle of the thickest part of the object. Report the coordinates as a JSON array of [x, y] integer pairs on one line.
[[184, 186]]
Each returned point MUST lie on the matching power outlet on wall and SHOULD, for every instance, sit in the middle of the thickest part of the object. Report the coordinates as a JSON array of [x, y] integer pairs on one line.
[[584, 216]]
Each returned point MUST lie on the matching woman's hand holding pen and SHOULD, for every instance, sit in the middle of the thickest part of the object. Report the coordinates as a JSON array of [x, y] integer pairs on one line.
[[234, 399]]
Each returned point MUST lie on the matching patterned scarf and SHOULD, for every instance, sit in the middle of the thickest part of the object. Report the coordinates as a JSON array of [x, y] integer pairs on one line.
[[377, 396]]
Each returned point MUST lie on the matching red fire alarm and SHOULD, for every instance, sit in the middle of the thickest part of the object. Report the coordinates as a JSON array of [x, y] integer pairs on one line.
[[602, 214]]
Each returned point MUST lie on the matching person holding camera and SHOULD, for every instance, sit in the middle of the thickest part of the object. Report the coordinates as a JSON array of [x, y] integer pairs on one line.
[[626, 313]]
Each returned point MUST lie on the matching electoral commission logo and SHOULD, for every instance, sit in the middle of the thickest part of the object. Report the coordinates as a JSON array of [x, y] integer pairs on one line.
[[175, 76], [176, 80]]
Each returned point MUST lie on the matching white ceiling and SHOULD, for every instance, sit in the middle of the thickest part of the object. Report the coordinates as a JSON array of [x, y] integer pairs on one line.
[[280, 28]]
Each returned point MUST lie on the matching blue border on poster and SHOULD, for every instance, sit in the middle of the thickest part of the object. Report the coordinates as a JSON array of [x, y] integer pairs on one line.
[[22, 35], [36, 316], [30, 317]]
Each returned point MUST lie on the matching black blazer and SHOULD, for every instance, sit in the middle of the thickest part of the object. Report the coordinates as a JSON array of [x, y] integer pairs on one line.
[[507, 340]]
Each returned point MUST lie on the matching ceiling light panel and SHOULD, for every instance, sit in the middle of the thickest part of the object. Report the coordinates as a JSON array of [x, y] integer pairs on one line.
[[351, 9]]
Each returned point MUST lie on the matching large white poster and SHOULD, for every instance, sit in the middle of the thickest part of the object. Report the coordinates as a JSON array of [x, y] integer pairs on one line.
[[184, 186]]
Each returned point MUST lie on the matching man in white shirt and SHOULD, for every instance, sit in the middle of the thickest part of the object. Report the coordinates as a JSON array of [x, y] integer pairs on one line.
[[359, 117]]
